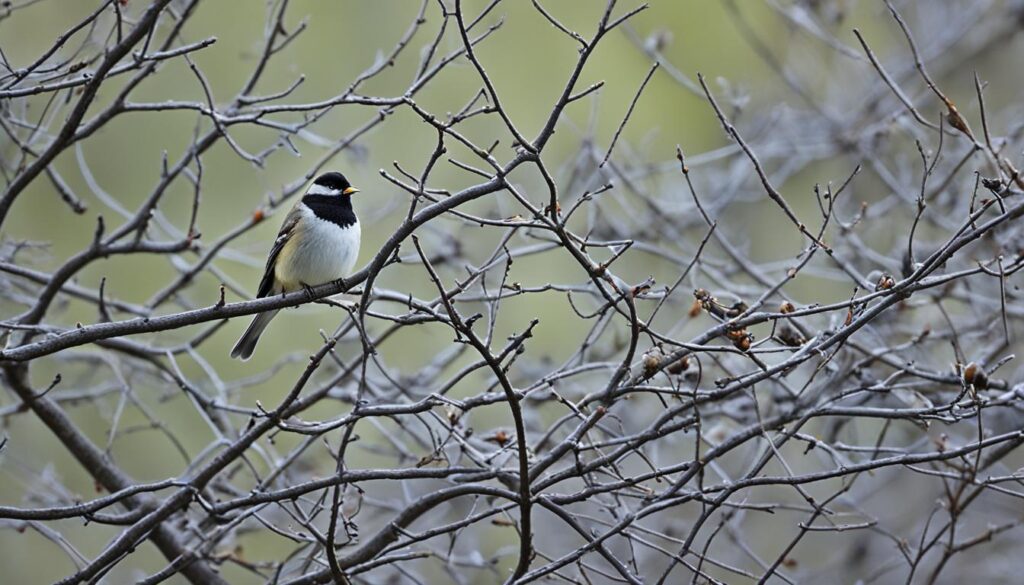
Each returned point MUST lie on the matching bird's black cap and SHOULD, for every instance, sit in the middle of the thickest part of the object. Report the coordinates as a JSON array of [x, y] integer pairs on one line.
[[334, 181]]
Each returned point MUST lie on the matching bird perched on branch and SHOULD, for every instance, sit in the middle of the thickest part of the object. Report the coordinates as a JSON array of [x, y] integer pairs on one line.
[[318, 243]]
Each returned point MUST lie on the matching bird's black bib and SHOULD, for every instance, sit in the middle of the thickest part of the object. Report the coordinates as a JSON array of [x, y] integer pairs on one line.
[[336, 209]]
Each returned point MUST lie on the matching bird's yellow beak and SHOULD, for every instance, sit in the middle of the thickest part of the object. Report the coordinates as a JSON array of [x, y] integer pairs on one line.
[[350, 191]]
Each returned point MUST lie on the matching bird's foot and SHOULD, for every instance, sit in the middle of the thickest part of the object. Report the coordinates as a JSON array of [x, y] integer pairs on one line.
[[310, 295]]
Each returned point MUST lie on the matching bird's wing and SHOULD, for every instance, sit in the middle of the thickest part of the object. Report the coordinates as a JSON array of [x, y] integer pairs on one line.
[[287, 230]]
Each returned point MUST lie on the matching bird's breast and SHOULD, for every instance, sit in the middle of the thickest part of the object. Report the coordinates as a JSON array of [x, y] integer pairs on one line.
[[320, 251]]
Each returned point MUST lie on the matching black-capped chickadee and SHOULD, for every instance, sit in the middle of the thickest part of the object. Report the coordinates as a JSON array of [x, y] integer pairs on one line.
[[318, 243]]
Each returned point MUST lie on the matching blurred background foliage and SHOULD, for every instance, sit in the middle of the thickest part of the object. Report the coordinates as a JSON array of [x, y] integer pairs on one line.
[[529, 61]]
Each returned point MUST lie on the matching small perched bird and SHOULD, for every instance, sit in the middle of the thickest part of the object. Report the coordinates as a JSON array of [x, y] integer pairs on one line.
[[318, 243]]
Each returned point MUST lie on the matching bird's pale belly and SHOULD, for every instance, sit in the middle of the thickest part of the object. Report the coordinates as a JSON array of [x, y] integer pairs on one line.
[[327, 252]]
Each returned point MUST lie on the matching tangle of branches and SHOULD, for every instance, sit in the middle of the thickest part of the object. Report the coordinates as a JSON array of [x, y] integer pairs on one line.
[[581, 365]]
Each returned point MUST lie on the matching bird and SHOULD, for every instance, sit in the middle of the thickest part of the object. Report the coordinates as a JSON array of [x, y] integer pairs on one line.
[[318, 243]]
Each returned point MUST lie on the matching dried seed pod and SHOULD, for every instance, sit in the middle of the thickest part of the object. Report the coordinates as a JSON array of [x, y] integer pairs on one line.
[[885, 282], [744, 343], [695, 308], [679, 366], [499, 437], [956, 120], [740, 338], [651, 361], [788, 335], [974, 375]]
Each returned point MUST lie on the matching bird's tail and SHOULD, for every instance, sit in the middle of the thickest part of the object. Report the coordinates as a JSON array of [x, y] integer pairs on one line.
[[247, 342]]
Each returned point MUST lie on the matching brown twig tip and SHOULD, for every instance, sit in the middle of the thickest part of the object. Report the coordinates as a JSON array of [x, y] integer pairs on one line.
[[682, 161], [955, 119], [220, 301]]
